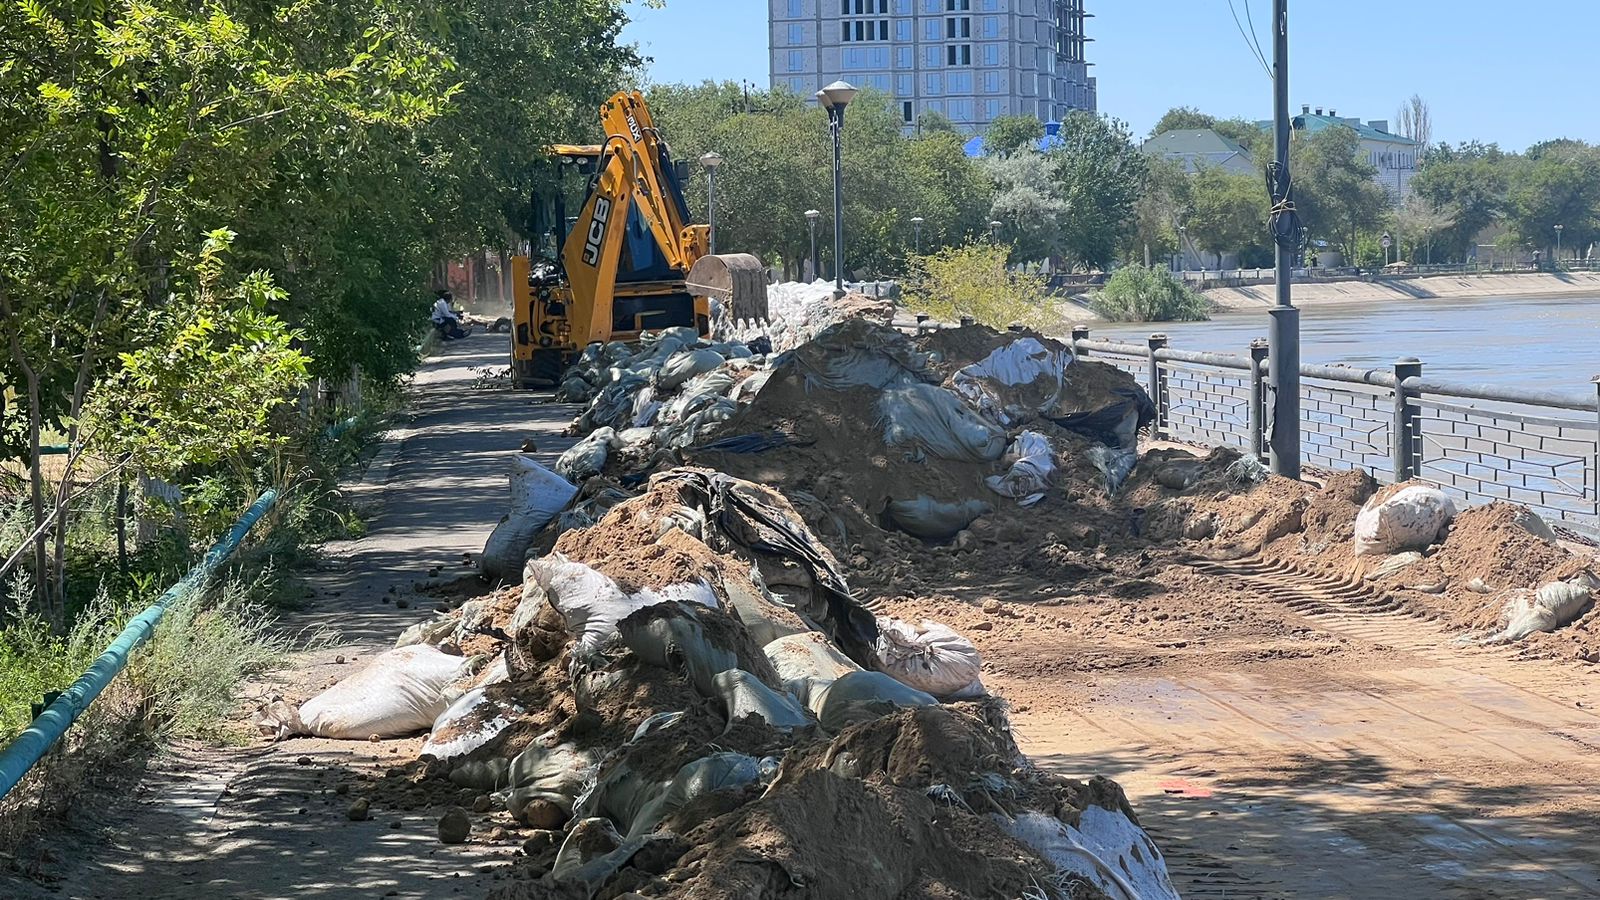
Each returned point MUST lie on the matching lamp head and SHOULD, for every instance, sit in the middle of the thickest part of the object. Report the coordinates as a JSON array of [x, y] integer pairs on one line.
[[813, 215], [711, 160], [837, 95]]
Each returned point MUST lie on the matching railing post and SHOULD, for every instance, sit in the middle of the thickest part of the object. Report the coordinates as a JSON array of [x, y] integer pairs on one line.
[[1258, 399], [1158, 386], [1406, 442], [1596, 462], [1079, 333]]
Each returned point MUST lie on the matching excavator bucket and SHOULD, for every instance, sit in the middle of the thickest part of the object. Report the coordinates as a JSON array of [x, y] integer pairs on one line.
[[736, 280]]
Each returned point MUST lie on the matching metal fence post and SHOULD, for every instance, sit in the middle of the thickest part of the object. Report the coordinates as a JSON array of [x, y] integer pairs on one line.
[[1079, 333], [1596, 476], [1158, 386], [1406, 443], [1258, 398]]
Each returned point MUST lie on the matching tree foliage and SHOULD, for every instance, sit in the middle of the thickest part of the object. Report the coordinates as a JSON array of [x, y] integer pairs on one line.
[[1140, 294], [1008, 134], [1334, 187], [974, 280], [1228, 213]]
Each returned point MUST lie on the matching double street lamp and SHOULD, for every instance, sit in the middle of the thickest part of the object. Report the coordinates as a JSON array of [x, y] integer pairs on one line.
[[994, 231], [812, 216], [711, 161], [1559, 229], [834, 98], [916, 231]]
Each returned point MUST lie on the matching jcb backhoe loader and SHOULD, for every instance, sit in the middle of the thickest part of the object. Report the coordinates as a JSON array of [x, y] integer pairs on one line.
[[630, 262]]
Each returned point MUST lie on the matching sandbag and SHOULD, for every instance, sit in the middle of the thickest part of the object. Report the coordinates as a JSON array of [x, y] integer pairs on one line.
[[538, 495], [430, 632], [1114, 464], [717, 772], [861, 697], [574, 389], [929, 657], [554, 773], [1117, 421], [677, 636], [1032, 465], [469, 723], [743, 694], [928, 419], [402, 691], [1106, 848], [1553, 605], [684, 365], [586, 458], [613, 406], [807, 655], [935, 520], [1411, 519], [1016, 382], [590, 602]]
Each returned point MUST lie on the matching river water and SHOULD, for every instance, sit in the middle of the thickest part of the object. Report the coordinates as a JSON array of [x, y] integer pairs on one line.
[[1536, 343]]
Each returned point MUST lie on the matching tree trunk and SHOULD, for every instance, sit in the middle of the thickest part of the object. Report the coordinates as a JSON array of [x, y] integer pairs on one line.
[[41, 552], [122, 526]]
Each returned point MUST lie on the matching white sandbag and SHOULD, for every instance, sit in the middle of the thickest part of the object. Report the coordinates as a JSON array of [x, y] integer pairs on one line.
[[1032, 465], [1553, 605], [929, 657], [537, 496], [682, 366], [929, 419], [431, 632], [587, 457], [808, 655], [400, 692], [469, 723], [861, 697], [591, 603], [745, 391], [1412, 519], [547, 771], [1106, 848], [992, 385], [717, 772]]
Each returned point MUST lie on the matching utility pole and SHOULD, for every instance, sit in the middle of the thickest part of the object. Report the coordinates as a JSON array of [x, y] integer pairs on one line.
[[1283, 326]]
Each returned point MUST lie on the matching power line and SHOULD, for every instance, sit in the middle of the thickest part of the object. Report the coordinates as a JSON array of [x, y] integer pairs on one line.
[[1254, 48]]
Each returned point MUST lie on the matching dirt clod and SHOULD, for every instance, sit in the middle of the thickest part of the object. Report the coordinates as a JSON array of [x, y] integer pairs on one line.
[[455, 826]]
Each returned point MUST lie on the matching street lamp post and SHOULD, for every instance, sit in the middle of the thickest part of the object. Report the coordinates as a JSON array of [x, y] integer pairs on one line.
[[916, 230], [812, 215], [1559, 229], [834, 98], [994, 231], [711, 161], [1183, 245]]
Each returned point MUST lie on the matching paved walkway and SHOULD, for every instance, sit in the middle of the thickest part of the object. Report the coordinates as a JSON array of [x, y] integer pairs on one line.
[[266, 821]]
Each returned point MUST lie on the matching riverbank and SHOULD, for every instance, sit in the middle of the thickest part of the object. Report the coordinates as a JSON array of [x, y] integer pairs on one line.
[[1439, 287]]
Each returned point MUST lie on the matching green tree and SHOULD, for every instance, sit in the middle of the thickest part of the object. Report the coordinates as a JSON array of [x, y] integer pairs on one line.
[[1418, 222], [1140, 294], [974, 280], [1472, 181], [1557, 184], [1162, 205], [1228, 212], [1027, 200], [1182, 118], [1334, 188], [1099, 175], [1008, 134]]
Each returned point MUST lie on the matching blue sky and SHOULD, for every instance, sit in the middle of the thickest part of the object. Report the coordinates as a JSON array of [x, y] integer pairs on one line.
[[1504, 72]]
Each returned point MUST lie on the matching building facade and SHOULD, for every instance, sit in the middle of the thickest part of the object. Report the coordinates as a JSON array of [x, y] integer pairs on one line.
[[967, 60], [1395, 156]]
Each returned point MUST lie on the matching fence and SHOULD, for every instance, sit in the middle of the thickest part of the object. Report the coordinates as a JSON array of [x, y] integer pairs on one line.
[[1478, 442], [1246, 277]]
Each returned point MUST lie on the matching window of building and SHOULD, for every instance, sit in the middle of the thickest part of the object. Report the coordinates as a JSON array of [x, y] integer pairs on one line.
[[905, 85], [904, 58], [958, 27], [930, 29], [960, 110], [991, 26], [993, 109], [930, 6], [992, 83], [930, 57], [991, 5], [854, 58], [905, 112], [960, 82], [797, 35], [958, 55], [902, 7], [795, 10], [957, 5], [797, 61], [878, 58], [902, 30], [933, 84], [936, 106], [991, 54], [798, 85]]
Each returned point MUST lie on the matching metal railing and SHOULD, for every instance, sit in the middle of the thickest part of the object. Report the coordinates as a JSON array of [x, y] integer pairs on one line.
[[1478, 442], [1246, 277]]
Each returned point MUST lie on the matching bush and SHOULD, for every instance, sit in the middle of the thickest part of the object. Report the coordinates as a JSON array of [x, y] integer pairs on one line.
[[1141, 294], [973, 281]]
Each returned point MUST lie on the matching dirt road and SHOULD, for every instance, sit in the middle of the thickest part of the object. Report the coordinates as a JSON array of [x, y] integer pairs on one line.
[[1322, 752], [270, 821]]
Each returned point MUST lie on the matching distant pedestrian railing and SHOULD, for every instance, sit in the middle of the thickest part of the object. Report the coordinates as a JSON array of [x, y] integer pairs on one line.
[[1246, 277], [1479, 442]]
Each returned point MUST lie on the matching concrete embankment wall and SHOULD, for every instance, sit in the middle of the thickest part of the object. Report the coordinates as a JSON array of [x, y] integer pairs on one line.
[[1456, 287]]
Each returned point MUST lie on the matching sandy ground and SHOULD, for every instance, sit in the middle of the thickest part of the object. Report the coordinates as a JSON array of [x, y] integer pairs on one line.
[[269, 820], [1333, 753]]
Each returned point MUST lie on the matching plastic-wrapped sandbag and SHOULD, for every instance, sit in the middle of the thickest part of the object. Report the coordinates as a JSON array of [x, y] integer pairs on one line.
[[431, 632], [928, 418], [861, 697], [1016, 382], [613, 406], [537, 496], [587, 458], [660, 639], [1411, 519], [1106, 848], [645, 407], [699, 391], [574, 389], [717, 772], [469, 723], [686, 364], [1114, 463], [930, 657], [743, 694], [808, 655], [1117, 422], [745, 391], [1032, 465], [554, 773], [1553, 605], [936, 520], [400, 692], [692, 429]]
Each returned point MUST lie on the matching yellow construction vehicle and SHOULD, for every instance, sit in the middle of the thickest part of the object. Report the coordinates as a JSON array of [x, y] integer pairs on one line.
[[629, 262]]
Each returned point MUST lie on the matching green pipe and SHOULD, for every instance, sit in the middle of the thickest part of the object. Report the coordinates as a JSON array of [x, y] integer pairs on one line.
[[26, 750]]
